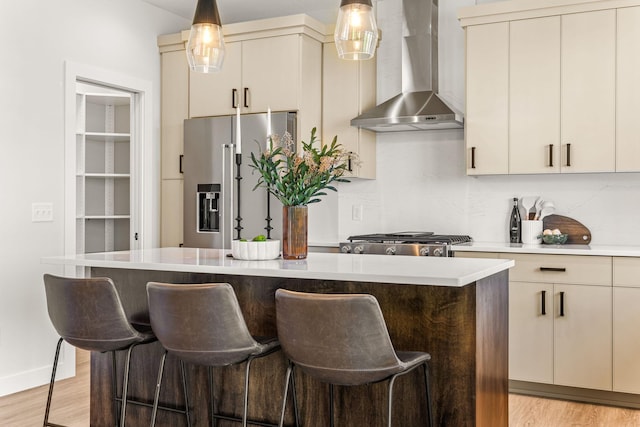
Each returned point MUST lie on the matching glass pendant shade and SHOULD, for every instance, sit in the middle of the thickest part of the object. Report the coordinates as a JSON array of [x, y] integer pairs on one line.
[[356, 33], [205, 48]]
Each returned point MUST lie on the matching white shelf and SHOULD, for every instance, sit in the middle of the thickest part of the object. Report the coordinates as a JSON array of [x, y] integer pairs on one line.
[[103, 171], [105, 217], [105, 175], [106, 136]]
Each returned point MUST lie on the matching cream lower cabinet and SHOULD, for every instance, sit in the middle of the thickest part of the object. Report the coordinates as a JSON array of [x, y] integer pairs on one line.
[[562, 326], [626, 325]]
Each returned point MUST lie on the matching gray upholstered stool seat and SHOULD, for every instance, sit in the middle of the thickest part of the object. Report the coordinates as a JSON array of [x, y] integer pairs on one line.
[[203, 324], [342, 339], [88, 314]]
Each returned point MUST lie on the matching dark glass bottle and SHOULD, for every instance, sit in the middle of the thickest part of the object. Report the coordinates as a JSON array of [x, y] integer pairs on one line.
[[515, 230]]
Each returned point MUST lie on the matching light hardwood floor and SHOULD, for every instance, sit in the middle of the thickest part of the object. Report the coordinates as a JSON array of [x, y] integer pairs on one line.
[[71, 407]]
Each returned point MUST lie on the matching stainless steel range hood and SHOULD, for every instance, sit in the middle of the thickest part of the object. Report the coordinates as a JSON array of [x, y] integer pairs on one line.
[[418, 107]]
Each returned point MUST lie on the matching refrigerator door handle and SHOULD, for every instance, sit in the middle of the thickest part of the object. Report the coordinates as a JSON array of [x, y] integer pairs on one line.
[[226, 189]]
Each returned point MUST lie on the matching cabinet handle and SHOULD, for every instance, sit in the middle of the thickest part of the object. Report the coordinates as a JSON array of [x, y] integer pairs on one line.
[[561, 304], [349, 168], [246, 97], [550, 155], [180, 167], [560, 269], [473, 157], [234, 98], [568, 154], [544, 303]]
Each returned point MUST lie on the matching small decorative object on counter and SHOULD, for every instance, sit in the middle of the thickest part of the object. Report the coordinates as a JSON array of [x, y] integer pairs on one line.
[[297, 179], [514, 223]]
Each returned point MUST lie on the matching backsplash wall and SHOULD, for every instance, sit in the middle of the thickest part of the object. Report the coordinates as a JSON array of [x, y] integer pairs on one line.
[[421, 182]]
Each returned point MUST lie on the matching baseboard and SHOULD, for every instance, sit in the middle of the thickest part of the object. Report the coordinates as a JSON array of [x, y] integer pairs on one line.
[[601, 397], [21, 381]]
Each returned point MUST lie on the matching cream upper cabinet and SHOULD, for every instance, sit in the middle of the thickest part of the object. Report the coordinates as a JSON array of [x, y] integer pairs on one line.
[[217, 94], [572, 89], [349, 88], [588, 91], [534, 95], [257, 74], [487, 99], [628, 91]]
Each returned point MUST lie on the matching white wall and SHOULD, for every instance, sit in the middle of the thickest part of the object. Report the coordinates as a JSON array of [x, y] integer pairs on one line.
[[421, 183], [116, 35]]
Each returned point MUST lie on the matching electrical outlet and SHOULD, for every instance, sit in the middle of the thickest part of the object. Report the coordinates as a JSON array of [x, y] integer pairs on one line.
[[356, 212], [41, 212]]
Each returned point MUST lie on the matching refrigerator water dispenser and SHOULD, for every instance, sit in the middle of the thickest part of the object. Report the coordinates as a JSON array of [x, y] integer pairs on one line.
[[208, 208]]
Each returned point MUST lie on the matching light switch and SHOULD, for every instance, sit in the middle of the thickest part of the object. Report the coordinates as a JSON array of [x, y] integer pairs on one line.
[[356, 212], [41, 212]]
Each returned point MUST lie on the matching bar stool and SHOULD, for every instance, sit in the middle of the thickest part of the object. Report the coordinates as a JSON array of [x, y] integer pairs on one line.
[[203, 324], [342, 339], [88, 314]]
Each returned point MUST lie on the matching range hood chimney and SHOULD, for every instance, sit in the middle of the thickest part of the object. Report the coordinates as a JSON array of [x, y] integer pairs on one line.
[[418, 107]]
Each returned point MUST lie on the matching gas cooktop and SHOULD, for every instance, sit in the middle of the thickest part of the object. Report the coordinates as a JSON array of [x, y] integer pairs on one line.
[[420, 243]]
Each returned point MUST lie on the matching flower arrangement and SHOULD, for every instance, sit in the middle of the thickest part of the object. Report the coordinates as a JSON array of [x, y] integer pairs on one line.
[[298, 180]]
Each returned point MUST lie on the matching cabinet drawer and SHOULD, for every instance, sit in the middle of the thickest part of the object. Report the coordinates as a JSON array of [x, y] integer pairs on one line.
[[626, 272], [584, 270], [465, 254]]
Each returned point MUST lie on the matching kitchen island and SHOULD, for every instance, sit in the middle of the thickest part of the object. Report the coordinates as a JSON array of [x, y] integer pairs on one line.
[[455, 309]]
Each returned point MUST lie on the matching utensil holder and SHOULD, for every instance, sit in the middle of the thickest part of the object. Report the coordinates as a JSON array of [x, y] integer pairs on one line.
[[531, 232]]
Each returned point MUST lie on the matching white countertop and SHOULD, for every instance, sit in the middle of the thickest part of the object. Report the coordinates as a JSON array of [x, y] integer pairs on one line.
[[599, 250], [324, 266]]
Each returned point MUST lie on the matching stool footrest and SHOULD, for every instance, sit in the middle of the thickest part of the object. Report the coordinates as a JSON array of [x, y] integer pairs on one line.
[[239, 419]]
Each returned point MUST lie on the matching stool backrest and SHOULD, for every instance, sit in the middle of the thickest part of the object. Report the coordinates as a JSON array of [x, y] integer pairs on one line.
[[200, 323], [337, 338], [88, 313]]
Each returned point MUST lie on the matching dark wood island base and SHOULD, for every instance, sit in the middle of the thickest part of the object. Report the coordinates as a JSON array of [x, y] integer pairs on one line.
[[464, 328]]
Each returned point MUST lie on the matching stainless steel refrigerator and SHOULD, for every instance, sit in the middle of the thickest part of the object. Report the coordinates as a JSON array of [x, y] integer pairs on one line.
[[213, 212]]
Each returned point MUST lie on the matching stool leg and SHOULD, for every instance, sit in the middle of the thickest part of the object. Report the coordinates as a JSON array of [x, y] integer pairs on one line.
[[296, 413], [156, 398], [214, 421], [185, 387], [246, 391], [287, 380], [53, 379], [125, 385], [331, 405], [390, 399], [114, 387], [428, 389]]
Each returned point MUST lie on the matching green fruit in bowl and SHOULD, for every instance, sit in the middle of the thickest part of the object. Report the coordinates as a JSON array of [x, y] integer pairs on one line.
[[260, 238]]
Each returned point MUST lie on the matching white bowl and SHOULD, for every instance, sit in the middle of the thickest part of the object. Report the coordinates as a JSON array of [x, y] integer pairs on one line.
[[269, 249]]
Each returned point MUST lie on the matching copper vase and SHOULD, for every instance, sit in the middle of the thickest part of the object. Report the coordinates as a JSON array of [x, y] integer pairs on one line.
[[294, 232]]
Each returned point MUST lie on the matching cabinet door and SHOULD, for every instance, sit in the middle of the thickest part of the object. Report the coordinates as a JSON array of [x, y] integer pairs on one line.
[[174, 108], [628, 91], [531, 332], [348, 88], [487, 99], [271, 74], [583, 336], [211, 94], [171, 226], [534, 95], [588, 91], [626, 340]]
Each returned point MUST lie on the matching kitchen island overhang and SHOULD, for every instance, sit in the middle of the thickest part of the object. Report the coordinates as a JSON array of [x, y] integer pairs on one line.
[[455, 309]]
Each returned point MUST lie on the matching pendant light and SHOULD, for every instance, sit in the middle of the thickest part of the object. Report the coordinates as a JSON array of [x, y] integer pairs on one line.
[[205, 48], [356, 33]]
